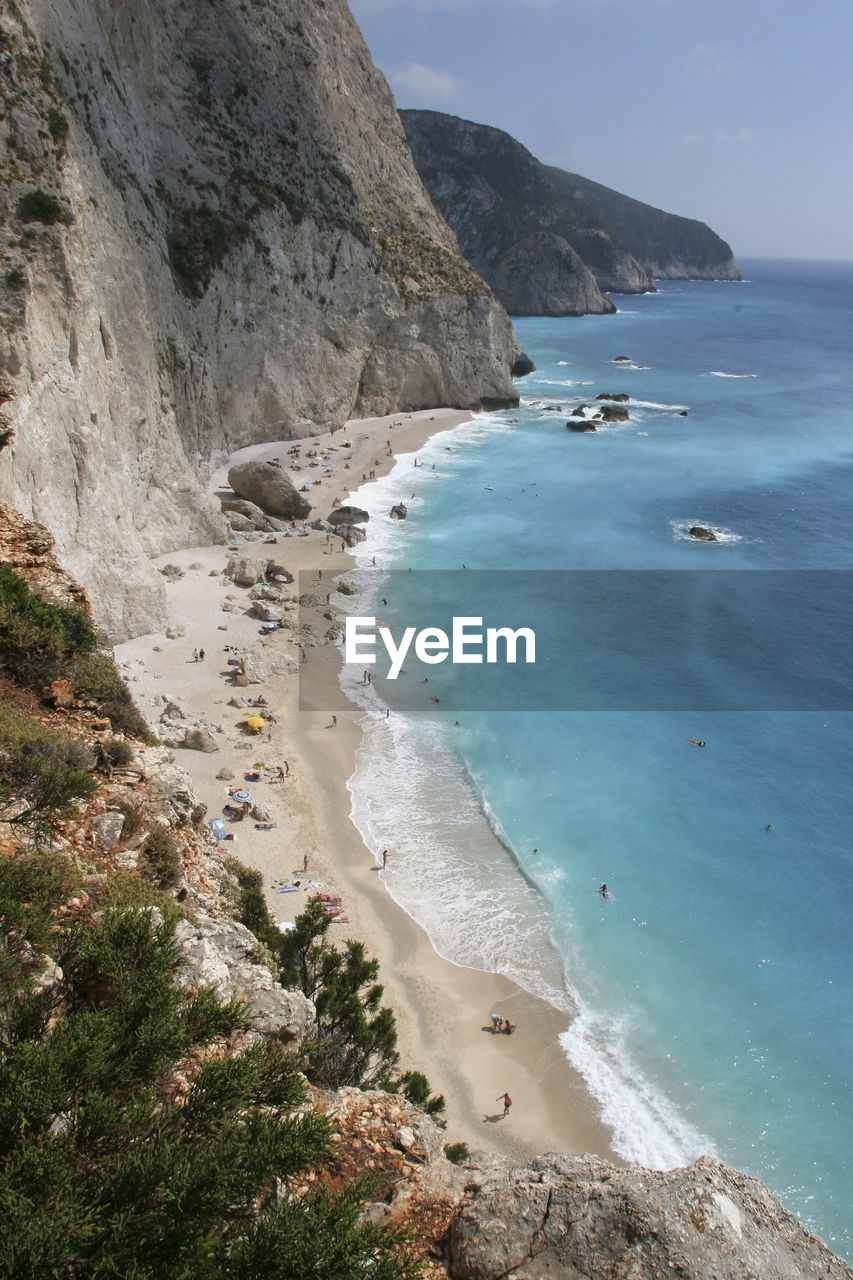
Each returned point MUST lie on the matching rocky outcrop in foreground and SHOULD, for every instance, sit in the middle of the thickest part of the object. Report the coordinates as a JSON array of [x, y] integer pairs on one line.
[[549, 242], [579, 1218], [212, 234]]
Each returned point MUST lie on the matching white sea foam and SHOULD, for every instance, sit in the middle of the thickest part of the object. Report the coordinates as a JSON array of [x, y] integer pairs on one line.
[[654, 404], [447, 869], [647, 1129], [720, 373]]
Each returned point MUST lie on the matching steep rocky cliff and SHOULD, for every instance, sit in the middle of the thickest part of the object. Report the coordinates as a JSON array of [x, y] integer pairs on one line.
[[212, 234], [549, 242], [667, 246]]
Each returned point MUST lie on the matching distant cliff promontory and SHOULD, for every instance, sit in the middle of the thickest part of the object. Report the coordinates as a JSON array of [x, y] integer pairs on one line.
[[549, 242], [212, 234]]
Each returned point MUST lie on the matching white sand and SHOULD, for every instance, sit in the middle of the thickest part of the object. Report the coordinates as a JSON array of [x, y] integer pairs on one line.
[[442, 1010]]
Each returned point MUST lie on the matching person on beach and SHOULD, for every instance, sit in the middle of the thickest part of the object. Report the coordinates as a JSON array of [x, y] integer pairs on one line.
[[384, 859], [495, 1021], [304, 863], [201, 655], [506, 1100], [334, 722], [195, 655], [508, 1027]]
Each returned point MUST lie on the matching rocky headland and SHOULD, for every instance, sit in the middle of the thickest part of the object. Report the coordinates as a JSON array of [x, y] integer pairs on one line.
[[549, 242]]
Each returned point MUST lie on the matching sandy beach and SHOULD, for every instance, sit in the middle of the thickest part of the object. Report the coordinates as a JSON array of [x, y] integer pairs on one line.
[[442, 1010]]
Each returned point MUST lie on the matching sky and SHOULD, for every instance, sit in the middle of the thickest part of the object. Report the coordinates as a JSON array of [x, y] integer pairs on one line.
[[736, 112]]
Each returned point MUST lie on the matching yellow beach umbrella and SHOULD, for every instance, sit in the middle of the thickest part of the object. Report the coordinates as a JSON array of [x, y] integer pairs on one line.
[[256, 722]]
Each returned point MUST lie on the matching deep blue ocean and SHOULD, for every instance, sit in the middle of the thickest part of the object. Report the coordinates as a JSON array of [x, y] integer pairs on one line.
[[713, 992]]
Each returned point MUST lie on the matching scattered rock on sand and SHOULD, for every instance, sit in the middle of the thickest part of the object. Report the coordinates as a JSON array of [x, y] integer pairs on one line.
[[348, 515], [175, 632], [270, 488], [200, 738], [246, 570], [225, 774], [173, 571]]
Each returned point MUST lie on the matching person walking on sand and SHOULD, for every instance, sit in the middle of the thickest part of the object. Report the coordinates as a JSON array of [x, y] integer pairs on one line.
[[304, 863], [384, 859], [195, 655], [506, 1100], [201, 655], [334, 722]]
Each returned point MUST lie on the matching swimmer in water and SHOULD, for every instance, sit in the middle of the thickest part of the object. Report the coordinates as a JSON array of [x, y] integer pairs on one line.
[[603, 890], [694, 743]]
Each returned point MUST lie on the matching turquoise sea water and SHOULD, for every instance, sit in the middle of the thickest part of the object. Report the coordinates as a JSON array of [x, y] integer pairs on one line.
[[713, 994]]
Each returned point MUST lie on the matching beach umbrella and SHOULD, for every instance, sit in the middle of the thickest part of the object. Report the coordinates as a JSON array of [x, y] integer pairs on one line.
[[245, 797], [256, 722]]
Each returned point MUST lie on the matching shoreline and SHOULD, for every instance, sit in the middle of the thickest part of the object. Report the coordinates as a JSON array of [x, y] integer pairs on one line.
[[442, 1009]]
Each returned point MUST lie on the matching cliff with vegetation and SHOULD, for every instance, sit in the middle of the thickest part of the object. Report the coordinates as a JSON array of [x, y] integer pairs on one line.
[[549, 242], [212, 234]]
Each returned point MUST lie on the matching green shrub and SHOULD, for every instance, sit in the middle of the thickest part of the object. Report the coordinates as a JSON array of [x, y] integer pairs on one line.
[[246, 877], [94, 678], [16, 278], [117, 751], [101, 1175], [46, 770], [57, 123], [160, 859], [36, 637], [38, 206], [197, 244], [415, 1086], [126, 889], [457, 1152]]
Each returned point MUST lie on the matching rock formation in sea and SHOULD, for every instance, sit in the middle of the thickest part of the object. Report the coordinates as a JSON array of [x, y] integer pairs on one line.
[[212, 235], [549, 242]]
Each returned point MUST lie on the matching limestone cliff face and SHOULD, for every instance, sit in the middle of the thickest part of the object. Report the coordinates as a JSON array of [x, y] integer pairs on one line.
[[212, 234]]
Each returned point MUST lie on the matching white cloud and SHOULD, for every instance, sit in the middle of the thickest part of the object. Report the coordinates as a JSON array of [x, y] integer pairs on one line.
[[707, 60], [425, 83], [741, 136]]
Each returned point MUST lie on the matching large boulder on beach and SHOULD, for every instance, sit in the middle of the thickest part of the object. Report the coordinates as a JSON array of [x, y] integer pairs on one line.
[[246, 515], [245, 571], [348, 515], [269, 487]]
